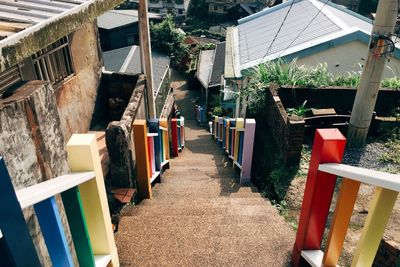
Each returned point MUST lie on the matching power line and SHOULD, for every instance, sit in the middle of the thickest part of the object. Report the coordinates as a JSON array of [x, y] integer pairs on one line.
[[280, 27], [311, 21]]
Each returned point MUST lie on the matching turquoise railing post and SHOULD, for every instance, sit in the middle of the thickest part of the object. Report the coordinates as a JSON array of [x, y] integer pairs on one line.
[[53, 232], [329, 145], [16, 239]]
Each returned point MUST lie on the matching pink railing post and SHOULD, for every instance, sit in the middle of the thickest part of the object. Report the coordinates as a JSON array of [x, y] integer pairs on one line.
[[329, 145], [174, 132]]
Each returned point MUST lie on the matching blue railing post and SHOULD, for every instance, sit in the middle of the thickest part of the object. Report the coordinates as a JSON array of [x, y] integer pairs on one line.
[[154, 127], [17, 242]]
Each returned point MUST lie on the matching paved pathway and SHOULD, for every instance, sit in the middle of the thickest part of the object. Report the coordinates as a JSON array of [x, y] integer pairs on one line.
[[199, 215]]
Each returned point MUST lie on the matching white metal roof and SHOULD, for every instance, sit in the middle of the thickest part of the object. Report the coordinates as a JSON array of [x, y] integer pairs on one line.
[[308, 23], [118, 18]]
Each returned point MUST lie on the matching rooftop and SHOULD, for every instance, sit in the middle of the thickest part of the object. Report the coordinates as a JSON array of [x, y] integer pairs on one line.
[[119, 18], [309, 23], [211, 66], [127, 60], [26, 26]]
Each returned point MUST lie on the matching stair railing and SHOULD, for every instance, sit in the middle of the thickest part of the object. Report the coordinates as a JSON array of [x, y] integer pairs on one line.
[[85, 203], [325, 167]]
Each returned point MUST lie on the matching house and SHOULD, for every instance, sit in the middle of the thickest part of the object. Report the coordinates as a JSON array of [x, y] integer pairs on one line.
[[313, 32], [127, 60], [221, 7], [119, 28], [210, 70], [242, 10]]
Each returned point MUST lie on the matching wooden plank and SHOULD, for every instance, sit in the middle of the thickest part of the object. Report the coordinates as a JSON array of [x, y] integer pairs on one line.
[[164, 124], [340, 222], [377, 178], [174, 133], [16, 242], [142, 159], [313, 257], [34, 194], [248, 145], [328, 147], [83, 155], [239, 125], [374, 227], [53, 232], [77, 225]]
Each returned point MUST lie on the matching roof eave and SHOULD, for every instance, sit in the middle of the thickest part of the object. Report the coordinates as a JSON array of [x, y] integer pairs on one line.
[[21, 45]]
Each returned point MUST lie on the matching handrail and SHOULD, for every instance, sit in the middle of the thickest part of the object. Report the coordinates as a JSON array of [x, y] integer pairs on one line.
[[29, 196], [327, 153]]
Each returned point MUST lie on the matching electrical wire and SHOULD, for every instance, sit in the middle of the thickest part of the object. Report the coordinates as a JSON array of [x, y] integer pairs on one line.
[[280, 27]]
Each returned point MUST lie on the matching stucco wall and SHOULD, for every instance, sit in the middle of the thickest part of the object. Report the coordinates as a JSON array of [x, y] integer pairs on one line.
[[348, 57], [76, 97]]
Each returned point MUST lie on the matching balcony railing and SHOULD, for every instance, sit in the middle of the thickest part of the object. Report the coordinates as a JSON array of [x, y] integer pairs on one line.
[[236, 136], [85, 203], [324, 168]]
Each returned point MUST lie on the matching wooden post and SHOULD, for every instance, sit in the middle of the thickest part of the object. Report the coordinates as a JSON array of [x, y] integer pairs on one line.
[[142, 159], [53, 232], [174, 133], [17, 242], [145, 56], [83, 155], [378, 216], [328, 147], [247, 157], [367, 93], [164, 124]]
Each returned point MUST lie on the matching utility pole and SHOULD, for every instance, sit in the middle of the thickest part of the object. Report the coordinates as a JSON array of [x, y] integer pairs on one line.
[[367, 92], [145, 56]]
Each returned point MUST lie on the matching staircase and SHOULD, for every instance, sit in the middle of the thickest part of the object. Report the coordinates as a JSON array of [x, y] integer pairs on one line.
[[200, 216]]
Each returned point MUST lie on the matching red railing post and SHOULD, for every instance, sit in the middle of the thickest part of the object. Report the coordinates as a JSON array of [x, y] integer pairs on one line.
[[329, 145]]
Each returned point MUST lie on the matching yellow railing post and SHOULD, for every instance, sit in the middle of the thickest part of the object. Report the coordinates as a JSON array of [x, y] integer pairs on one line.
[[83, 155], [375, 224], [239, 125], [164, 124]]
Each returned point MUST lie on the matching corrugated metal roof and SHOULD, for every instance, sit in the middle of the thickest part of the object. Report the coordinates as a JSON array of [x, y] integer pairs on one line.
[[127, 59], [118, 18], [257, 31], [218, 64], [204, 68], [19, 15]]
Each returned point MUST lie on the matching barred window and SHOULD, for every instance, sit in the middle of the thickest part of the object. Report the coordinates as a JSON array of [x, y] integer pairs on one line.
[[54, 62], [9, 78]]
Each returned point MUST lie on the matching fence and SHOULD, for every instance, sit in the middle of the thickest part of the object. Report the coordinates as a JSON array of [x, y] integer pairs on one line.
[[85, 203], [324, 167], [236, 136], [152, 150]]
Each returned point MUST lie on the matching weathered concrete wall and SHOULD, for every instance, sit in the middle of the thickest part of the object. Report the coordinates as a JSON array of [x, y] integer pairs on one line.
[[76, 97], [119, 140], [32, 144]]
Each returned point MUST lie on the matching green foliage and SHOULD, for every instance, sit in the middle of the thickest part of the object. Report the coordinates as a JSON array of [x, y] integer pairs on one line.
[[167, 39], [300, 111], [206, 46], [291, 74], [217, 111], [208, 34]]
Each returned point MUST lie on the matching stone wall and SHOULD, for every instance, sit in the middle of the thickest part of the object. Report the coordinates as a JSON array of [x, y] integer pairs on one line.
[[32, 144], [76, 97], [288, 132]]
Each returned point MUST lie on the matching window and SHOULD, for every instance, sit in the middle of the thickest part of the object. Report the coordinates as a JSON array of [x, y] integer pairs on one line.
[[54, 62], [215, 8], [9, 78]]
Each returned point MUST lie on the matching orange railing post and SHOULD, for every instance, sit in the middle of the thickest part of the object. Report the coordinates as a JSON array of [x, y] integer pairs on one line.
[[328, 147]]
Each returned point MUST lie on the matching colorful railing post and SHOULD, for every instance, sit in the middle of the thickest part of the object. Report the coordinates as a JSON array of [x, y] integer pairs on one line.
[[83, 155], [225, 134], [220, 129], [142, 159], [232, 130], [239, 127], [165, 143], [174, 136], [181, 122], [328, 147], [247, 156], [215, 128], [154, 127], [17, 246]]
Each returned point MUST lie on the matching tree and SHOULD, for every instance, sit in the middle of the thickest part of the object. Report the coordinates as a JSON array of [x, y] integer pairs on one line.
[[168, 39]]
